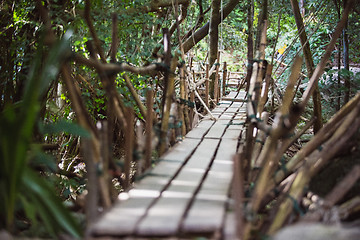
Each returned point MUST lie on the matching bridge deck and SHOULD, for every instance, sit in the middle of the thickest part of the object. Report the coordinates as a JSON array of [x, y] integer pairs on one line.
[[187, 192]]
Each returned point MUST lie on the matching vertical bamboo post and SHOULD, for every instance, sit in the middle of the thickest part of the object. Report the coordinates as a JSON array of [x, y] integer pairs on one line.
[[216, 80], [183, 97], [186, 109], [207, 85], [129, 145], [192, 99], [192, 112], [92, 187], [238, 195], [170, 80], [264, 90], [149, 126], [224, 79], [104, 158]]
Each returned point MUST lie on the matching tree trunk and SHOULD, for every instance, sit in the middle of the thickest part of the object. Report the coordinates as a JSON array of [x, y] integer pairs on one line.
[[250, 42], [346, 60], [214, 38], [214, 31], [309, 64], [338, 103], [262, 19]]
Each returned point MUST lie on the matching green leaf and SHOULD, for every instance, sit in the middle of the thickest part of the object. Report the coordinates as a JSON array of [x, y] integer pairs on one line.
[[49, 206], [345, 73], [64, 126]]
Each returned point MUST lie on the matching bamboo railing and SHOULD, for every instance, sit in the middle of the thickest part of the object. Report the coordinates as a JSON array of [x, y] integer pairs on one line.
[[275, 186]]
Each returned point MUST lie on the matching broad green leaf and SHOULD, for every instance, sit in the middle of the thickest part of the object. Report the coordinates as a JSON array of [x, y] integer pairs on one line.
[[49, 205], [64, 126]]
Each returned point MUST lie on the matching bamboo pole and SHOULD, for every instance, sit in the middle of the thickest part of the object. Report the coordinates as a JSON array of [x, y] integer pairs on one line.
[[182, 106], [265, 89], [167, 107], [216, 79], [191, 111], [149, 127], [309, 63], [349, 207], [135, 95], [224, 79], [186, 109], [314, 165], [317, 140], [104, 184], [268, 155], [250, 114], [129, 146], [238, 194], [92, 185], [170, 82], [207, 85], [260, 139], [295, 193]]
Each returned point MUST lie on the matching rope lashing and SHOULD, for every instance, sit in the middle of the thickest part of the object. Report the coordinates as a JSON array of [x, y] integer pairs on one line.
[[296, 205], [283, 166], [99, 169], [175, 125], [187, 103], [231, 123]]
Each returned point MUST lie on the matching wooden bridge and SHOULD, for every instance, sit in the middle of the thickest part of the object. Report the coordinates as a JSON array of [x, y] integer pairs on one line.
[[187, 193]]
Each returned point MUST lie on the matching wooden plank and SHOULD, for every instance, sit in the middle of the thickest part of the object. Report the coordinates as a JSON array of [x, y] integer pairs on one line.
[[226, 150], [122, 218], [232, 133], [163, 219], [200, 130], [231, 94], [207, 212], [218, 110], [233, 99], [151, 182], [181, 151], [217, 130], [166, 168], [226, 116], [205, 217]]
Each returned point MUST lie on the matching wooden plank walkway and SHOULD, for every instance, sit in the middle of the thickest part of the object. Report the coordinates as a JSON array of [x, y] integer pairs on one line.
[[187, 192]]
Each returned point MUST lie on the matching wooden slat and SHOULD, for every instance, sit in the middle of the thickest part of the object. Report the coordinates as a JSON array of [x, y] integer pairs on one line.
[[181, 150], [232, 133], [231, 95], [122, 218], [200, 130], [163, 219], [166, 168], [217, 130], [207, 212], [226, 150]]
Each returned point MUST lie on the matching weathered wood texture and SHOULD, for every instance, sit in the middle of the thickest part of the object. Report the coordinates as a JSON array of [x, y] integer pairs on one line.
[[186, 193]]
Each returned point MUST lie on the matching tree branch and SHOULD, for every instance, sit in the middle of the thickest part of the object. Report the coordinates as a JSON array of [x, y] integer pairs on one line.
[[204, 30]]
